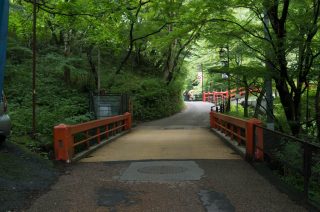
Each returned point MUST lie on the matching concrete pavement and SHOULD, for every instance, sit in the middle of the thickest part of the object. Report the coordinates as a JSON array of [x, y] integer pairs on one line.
[[145, 143]]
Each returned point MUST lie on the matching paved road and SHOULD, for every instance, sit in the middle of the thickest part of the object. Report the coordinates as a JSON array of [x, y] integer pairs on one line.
[[185, 135], [156, 175], [195, 114]]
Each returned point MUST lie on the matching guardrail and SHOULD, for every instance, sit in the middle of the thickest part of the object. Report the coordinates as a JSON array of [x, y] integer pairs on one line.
[[74, 141], [295, 160], [242, 131], [223, 95]]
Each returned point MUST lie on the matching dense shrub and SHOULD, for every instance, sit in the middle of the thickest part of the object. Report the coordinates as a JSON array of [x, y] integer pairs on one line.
[[61, 102], [152, 98]]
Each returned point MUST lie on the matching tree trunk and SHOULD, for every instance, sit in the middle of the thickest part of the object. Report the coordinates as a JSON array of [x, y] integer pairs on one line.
[[291, 105], [258, 104], [67, 52], [92, 66], [228, 108], [54, 38], [170, 63], [246, 97], [317, 108]]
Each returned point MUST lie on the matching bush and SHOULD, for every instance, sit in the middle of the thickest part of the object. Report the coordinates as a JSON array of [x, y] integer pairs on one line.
[[58, 102], [152, 98]]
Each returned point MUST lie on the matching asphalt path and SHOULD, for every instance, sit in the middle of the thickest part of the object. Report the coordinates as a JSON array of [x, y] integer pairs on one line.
[[195, 114], [185, 135]]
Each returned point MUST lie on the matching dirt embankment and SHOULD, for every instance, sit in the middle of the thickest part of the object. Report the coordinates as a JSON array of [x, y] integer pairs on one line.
[[23, 177]]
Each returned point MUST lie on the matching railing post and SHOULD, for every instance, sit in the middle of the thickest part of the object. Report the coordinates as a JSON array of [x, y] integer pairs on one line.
[[128, 121], [250, 138], [107, 131], [232, 131], [307, 158], [239, 133], [258, 145], [98, 133], [212, 119], [63, 143]]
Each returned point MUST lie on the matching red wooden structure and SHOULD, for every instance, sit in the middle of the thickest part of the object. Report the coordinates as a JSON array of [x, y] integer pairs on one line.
[[243, 131], [215, 96], [73, 141]]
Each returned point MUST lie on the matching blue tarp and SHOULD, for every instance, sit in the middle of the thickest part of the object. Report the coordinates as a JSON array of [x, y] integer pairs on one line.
[[4, 13]]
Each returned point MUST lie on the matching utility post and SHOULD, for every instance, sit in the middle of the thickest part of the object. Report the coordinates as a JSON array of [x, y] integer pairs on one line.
[[201, 78], [4, 13], [307, 110], [34, 62], [229, 83], [268, 77], [99, 71], [225, 60], [237, 93]]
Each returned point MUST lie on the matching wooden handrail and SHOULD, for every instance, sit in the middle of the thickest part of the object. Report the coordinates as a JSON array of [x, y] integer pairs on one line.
[[233, 127], [64, 135]]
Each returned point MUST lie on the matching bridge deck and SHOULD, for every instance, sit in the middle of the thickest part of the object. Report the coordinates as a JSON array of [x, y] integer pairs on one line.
[[174, 164], [145, 143]]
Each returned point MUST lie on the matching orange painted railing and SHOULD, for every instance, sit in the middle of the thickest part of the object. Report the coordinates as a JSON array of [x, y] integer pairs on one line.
[[215, 95], [243, 131], [73, 141]]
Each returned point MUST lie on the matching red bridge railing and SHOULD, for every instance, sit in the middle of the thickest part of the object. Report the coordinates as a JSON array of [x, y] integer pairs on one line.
[[223, 95], [242, 131], [74, 141]]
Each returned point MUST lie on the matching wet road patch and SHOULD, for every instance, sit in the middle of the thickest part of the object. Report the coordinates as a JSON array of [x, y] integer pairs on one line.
[[113, 197], [162, 171], [215, 202]]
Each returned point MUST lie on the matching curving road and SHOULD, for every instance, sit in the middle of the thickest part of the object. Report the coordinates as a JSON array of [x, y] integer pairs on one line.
[[195, 114]]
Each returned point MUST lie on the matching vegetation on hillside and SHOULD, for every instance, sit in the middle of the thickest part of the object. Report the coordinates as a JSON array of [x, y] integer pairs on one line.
[[146, 48], [154, 50]]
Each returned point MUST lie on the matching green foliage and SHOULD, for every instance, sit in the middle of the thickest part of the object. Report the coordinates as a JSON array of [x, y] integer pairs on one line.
[[56, 102], [281, 122], [235, 113], [291, 153], [68, 30], [291, 158], [158, 100], [152, 98]]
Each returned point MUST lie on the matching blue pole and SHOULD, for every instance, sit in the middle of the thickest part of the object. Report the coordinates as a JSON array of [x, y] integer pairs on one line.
[[4, 14]]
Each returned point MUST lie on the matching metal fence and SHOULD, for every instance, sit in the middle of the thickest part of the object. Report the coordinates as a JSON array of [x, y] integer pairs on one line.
[[295, 161], [110, 104]]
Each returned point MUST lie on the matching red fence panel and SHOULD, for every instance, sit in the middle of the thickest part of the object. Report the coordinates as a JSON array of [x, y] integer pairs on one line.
[[242, 131], [70, 140]]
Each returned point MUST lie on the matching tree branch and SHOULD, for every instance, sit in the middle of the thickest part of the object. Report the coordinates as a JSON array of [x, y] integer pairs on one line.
[[50, 10], [239, 25], [131, 39]]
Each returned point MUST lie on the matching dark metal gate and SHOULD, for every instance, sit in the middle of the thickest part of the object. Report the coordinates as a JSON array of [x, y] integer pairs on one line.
[[111, 104]]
